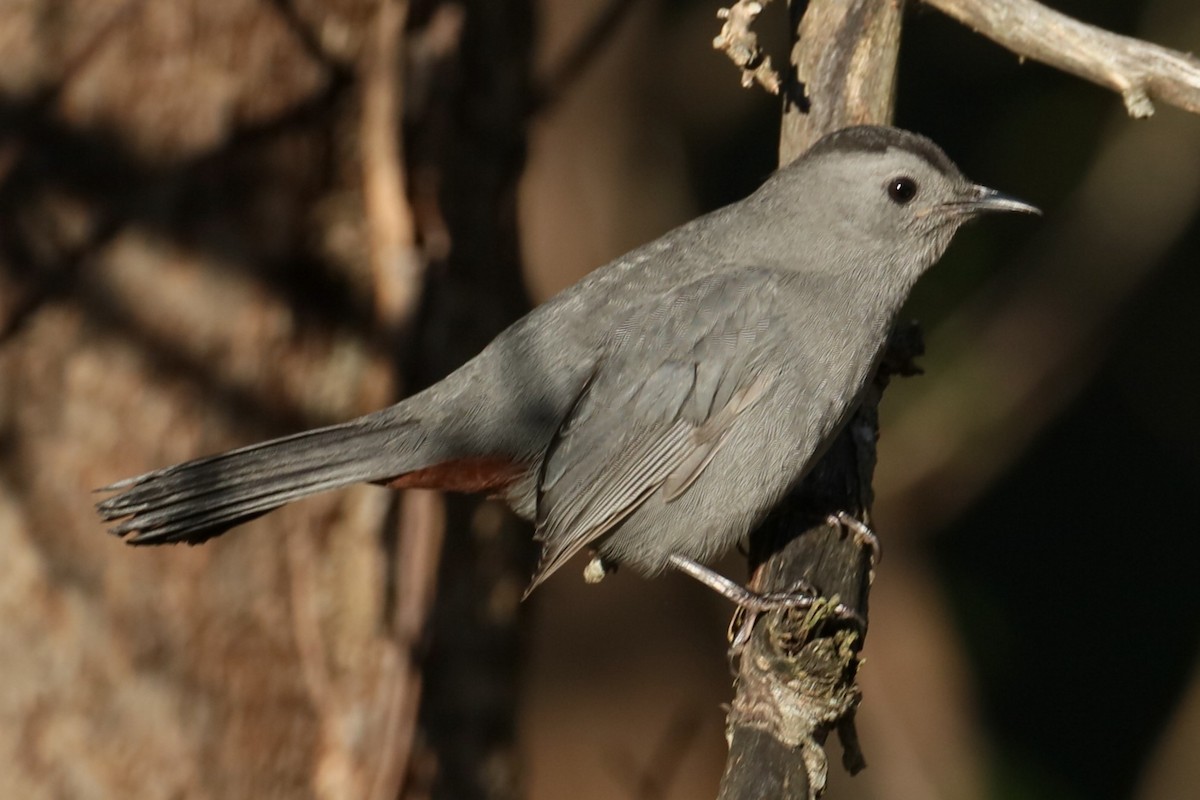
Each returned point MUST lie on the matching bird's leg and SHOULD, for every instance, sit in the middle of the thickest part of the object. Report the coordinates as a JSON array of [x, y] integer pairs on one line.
[[758, 602], [864, 537], [741, 624]]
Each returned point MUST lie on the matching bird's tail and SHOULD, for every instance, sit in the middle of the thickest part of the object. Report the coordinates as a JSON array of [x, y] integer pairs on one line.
[[197, 500]]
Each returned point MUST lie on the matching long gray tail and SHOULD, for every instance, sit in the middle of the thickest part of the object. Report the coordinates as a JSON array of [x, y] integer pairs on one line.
[[197, 500]]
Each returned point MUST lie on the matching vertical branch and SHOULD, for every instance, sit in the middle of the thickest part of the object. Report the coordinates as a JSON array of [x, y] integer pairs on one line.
[[467, 150], [396, 268], [422, 527], [414, 526], [795, 677], [391, 229], [843, 69]]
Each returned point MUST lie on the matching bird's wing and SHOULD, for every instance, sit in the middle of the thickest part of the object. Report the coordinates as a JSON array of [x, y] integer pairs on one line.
[[673, 380]]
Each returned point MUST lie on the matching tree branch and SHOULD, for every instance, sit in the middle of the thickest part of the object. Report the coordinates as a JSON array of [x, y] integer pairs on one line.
[[465, 155], [1141, 72], [737, 41], [795, 678], [397, 264], [844, 61]]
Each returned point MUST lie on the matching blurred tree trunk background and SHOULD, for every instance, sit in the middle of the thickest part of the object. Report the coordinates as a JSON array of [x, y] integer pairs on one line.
[[222, 220], [210, 236]]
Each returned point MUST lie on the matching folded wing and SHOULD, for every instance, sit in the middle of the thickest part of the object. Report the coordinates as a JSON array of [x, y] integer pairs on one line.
[[672, 383]]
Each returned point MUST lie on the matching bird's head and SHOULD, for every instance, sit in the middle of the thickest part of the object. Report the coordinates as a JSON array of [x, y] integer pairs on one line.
[[872, 196]]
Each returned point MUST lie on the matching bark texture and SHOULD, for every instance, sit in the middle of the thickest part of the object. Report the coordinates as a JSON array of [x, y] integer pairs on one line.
[[185, 266]]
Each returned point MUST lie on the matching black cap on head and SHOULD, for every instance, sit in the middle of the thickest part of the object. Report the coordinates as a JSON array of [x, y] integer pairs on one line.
[[878, 139]]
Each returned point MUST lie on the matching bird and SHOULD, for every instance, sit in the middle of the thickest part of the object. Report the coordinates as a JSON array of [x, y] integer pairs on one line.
[[656, 411]]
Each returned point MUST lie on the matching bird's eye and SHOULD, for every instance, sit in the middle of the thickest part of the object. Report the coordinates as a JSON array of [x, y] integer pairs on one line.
[[902, 189]]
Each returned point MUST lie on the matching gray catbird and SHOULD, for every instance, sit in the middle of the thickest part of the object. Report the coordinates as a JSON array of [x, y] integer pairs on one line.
[[658, 409]]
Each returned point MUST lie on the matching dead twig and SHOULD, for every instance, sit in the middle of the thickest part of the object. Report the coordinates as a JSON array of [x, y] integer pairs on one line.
[[796, 675], [422, 527], [337, 770], [1139, 71], [737, 41], [396, 262]]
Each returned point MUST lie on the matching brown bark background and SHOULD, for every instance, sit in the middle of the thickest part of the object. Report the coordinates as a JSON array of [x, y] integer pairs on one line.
[[213, 234], [186, 264]]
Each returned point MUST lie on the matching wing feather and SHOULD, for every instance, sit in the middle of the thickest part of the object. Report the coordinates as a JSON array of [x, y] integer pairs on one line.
[[678, 374]]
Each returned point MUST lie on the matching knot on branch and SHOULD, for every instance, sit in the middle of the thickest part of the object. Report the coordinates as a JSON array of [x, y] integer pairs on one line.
[[796, 687], [740, 43]]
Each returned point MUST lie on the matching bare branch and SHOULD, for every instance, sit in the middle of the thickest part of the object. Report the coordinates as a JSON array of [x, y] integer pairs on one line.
[[740, 43], [395, 261], [845, 57], [1141, 72], [422, 528]]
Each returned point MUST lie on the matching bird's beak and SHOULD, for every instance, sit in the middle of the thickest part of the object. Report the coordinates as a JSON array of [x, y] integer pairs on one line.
[[985, 199]]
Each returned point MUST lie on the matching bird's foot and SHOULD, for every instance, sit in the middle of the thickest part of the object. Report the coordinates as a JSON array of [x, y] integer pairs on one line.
[[802, 595], [864, 537]]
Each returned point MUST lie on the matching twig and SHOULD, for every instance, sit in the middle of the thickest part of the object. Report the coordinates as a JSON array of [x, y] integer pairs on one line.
[[737, 41], [422, 527], [395, 261], [1140, 71], [467, 148], [429, 53], [399, 268], [335, 761], [398, 694]]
